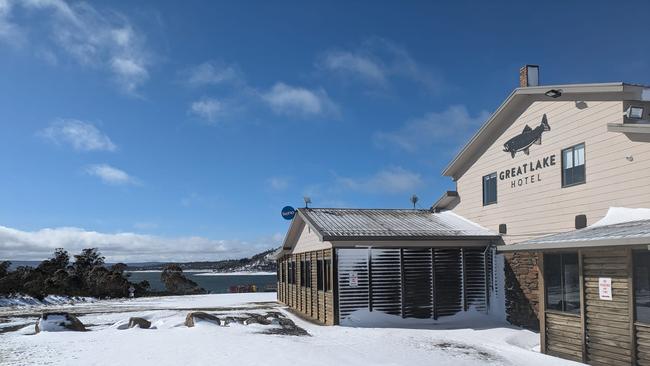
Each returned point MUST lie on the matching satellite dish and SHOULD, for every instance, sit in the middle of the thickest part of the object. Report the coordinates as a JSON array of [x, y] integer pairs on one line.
[[307, 201]]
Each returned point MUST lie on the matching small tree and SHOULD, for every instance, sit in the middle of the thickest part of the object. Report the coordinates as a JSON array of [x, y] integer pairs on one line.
[[84, 263], [119, 267], [60, 261], [4, 268], [176, 283]]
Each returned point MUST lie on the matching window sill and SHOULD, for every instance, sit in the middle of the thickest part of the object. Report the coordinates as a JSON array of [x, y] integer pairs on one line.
[[574, 184], [562, 313]]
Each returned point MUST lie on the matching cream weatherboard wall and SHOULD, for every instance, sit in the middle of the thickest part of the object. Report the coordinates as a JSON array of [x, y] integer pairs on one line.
[[545, 207], [309, 241]]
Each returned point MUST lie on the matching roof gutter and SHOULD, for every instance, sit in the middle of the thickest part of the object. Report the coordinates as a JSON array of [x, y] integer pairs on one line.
[[576, 244]]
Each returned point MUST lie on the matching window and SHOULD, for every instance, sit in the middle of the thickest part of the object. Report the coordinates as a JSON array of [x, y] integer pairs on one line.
[[319, 275], [642, 286], [573, 165], [561, 279], [305, 273], [292, 272], [327, 275], [490, 189], [307, 282], [302, 273]]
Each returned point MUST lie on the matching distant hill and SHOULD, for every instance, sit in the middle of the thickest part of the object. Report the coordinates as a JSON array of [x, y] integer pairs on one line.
[[16, 264], [261, 262]]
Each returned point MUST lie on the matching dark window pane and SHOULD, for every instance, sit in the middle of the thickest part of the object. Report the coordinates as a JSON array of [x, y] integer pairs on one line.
[[571, 278], [573, 165], [553, 281], [642, 286], [319, 274], [328, 272], [490, 189]]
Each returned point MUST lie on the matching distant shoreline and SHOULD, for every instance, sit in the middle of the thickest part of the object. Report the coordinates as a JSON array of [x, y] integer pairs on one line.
[[207, 272]]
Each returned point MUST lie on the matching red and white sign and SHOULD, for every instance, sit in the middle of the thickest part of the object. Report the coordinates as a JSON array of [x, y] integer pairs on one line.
[[605, 288], [354, 279]]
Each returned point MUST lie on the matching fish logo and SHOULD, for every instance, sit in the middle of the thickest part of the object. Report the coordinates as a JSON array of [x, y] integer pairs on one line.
[[527, 138]]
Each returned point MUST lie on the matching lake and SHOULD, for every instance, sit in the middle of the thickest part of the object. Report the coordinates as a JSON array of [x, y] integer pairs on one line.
[[213, 284]]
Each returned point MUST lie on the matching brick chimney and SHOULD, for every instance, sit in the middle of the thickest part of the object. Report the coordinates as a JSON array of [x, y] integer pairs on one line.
[[529, 76]]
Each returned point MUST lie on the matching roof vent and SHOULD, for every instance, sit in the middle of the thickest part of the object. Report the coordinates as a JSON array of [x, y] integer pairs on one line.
[[529, 76]]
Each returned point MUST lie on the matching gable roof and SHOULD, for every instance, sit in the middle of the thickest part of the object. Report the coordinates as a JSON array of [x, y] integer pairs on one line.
[[520, 99], [626, 233], [341, 224]]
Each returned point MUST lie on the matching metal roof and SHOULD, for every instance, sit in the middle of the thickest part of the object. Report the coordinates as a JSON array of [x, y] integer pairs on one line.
[[626, 233], [391, 224]]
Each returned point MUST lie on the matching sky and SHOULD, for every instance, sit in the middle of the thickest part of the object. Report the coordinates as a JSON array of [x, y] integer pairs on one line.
[[176, 131]]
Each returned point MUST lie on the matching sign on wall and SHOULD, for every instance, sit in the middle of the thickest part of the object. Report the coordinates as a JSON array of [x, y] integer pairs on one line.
[[354, 279], [605, 288], [288, 212], [527, 138]]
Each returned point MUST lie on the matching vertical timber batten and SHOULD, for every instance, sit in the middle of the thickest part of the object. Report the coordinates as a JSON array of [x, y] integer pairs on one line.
[[542, 303], [631, 308], [583, 318]]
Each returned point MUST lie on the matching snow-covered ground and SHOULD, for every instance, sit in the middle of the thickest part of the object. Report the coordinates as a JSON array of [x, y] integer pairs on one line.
[[171, 343]]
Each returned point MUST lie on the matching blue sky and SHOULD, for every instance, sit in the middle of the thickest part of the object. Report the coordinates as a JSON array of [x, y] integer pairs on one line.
[[167, 131]]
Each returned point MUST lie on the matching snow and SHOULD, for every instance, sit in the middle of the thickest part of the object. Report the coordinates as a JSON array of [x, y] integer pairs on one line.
[[618, 215], [24, 300], [53, 323], [236, 274], [474, 341], [378, 319]]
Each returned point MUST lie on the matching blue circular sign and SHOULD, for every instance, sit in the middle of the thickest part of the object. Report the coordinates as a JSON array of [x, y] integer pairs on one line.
[[288, 212]]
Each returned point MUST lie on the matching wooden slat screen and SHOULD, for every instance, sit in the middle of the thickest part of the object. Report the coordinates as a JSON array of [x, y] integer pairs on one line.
[[417, 301], [386, 281], [414, 282]]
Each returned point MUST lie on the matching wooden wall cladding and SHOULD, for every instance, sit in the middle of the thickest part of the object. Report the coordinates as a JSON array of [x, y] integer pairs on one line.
[[608, 322], [309, 301], [564, 336]]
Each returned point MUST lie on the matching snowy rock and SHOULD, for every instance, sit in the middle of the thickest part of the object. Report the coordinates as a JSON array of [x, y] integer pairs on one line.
[[192, 318], [257, 319], [139, 322], [57, 322]]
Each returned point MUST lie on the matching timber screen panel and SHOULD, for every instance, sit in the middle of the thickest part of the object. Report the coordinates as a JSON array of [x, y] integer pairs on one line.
[[413, 282]]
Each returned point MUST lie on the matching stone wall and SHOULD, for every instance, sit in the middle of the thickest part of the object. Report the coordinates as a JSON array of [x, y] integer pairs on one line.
[[522, 297]]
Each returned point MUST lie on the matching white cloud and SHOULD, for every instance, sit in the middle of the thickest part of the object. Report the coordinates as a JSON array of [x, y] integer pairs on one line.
[[212, 73], [207, 108], [80, 135], [297, 101], [389, 180], [278, 183], [378, 61], [450, 126], [111, 175], [355, 64], [125, 246], [104, 40], [9, 32]]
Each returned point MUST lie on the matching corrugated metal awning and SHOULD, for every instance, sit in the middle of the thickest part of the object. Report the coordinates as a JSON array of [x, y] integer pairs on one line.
[[634, 233]]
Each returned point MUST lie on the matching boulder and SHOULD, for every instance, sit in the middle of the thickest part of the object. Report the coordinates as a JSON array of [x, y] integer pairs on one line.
[[257, 319], [55, 322], [193, 317], [140, 322]]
